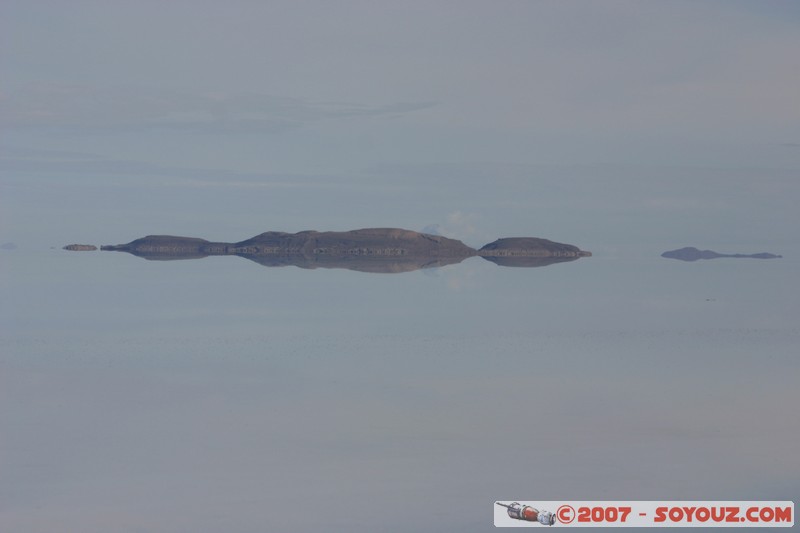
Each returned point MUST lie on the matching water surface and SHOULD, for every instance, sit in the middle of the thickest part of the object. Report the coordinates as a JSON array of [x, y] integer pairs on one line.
[[218, 394]]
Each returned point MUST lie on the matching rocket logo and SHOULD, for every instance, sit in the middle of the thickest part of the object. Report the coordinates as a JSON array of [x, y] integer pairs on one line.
[[528, 513]]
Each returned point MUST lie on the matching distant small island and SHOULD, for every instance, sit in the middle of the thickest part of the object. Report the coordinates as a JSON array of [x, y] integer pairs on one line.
[[366, 250], [693, 254], [80, 247], [529, 252]]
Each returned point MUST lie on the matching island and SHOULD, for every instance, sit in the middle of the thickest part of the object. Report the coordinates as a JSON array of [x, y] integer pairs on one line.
[[693, 254], [387, 250], [529, 252]]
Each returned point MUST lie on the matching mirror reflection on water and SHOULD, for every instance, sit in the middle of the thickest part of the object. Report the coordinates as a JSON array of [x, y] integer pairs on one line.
[[376, 250], [213, 395]]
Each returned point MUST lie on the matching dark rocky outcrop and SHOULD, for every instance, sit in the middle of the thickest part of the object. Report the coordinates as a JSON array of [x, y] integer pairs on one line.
[[80, 247], [168, 247], [529, 252], [693, 254], [366, 250]]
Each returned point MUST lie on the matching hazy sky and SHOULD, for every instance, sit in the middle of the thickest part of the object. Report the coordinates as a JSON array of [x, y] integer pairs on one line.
[[288, 86], [410, 114], [647, 124], [692, 107]]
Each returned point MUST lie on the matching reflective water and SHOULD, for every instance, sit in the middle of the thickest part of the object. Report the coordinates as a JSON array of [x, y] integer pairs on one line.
[[217, 395]]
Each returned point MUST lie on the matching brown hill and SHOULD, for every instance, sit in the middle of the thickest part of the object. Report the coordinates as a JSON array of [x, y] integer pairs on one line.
[[366, 250], [529, 252]]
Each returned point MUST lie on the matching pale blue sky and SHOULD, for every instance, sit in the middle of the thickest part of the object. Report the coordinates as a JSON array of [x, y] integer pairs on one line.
[[300, 86], [568, 118]]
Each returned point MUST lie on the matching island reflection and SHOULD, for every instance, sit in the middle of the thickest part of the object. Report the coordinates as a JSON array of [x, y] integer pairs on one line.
[[376, 250]]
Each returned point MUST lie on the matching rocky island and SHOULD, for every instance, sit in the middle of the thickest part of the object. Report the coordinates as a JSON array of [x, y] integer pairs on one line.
[[693, 254], [366, 250], [529, 252]]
